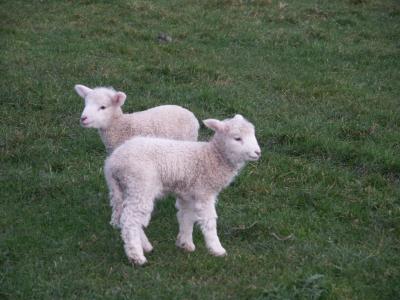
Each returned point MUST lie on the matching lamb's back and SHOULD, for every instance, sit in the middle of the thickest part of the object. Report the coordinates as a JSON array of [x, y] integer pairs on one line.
[[168, 121]]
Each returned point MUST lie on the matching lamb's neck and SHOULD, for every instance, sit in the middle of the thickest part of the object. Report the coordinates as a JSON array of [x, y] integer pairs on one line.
[[224, 157], [222, 169], [117, 132], [117, 120], [118, 116]]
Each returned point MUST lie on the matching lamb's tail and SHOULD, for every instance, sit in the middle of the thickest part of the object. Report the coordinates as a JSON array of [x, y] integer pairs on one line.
[[116, 194], [192, 127]]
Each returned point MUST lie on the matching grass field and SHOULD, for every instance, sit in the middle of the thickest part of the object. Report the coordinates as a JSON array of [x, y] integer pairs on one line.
[[318, 217]]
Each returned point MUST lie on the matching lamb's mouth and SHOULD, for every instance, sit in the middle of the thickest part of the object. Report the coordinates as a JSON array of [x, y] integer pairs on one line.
[[85, 124], [254, 157]]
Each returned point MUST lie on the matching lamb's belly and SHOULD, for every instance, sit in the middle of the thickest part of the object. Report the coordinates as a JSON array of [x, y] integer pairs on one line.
[[176, 187]]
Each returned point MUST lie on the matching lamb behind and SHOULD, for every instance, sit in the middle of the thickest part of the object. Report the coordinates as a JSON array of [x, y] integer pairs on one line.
[[103, 111], [143, 169]]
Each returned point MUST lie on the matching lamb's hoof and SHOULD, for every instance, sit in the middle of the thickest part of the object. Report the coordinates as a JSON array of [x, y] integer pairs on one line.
[[139, 261], [188, 247], [218, 252], [147, 248]]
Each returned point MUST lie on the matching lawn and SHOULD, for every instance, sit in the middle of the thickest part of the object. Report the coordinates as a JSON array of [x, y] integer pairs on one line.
[[318, 217]]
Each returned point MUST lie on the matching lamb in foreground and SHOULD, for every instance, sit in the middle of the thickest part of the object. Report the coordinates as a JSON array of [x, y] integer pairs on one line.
[[103, 111], [143, 169]]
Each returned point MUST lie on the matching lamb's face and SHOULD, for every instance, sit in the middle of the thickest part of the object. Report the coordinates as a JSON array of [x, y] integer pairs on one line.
[[240, 139], [101, 105], [98, 110], [236, 138]]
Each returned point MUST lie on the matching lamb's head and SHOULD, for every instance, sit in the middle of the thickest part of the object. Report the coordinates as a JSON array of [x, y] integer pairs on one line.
[[235, 139], [101, 105]]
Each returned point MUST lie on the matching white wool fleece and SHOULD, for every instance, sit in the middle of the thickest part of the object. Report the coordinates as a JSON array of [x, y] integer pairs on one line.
[[143, 169], [103, 111]]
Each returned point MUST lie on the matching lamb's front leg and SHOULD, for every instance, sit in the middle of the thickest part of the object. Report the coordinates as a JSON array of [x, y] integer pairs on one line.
[[208, 223], [186, 219]]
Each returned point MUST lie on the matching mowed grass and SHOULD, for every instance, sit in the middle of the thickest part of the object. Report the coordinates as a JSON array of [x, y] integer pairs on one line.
[[318, 217]]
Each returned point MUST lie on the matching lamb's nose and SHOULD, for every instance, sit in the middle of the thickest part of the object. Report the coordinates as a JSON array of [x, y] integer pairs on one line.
[[258, 152], [83, 119]]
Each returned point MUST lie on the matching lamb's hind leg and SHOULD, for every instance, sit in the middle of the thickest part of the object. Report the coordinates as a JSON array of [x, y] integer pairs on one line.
[[116, 200], [147, 247], [186, 218], [136, 214]]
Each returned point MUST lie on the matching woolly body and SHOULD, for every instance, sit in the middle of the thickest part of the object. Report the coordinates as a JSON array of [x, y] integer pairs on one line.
[[167, 121], [103, 111], [143, 169]]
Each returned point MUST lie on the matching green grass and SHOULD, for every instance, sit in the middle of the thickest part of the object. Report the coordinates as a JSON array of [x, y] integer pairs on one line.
[[320, 81]]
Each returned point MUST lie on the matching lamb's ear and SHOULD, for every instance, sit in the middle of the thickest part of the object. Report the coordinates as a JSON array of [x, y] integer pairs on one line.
[[82, 90], [214, 124], [119, 98]]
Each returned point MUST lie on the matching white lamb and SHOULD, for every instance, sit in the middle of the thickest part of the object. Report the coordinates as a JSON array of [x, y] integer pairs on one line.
[[103, 111], [143, 169]]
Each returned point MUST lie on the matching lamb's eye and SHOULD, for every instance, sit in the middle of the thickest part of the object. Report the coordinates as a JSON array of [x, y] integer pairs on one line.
[[238, 139], [102, 107]]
